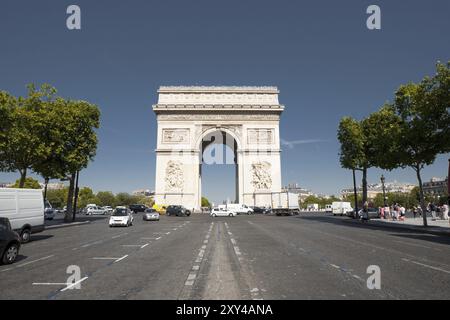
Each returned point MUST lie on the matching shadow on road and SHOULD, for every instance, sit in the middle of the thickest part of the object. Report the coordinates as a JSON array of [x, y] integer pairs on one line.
[[40, 237], [405, 233]]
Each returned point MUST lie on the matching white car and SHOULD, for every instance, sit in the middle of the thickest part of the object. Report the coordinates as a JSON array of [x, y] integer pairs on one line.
[[108, 209], [121, 216], [220, 212], [90, 211]]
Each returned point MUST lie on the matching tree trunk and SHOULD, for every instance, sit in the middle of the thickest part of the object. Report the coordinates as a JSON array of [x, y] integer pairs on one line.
[[45, 188], [355, 215], [69, 213], [23, 176], [75, 201], [364, 185], [421, 197]]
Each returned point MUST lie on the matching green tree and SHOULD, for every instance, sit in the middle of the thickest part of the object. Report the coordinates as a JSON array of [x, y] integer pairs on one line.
[[29, 183], [355, 152], [205, 202], [125, 199], [57, 197], [22, 142], [421, 131], [76, 125], [105, 198]]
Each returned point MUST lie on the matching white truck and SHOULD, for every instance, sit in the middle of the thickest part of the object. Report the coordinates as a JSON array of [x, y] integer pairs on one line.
[[285, 203], [238, 208], [341, 208], [25, 210]]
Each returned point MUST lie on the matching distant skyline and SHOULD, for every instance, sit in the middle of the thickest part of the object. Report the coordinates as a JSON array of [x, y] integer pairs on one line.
[[320, 55]]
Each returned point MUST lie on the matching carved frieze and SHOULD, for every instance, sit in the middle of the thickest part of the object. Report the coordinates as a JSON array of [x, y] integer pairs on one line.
[[175, 136], [261, 175], [174, 176]]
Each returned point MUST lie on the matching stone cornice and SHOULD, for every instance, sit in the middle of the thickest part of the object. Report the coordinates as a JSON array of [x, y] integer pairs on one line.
[[216, 107], [218, 89]]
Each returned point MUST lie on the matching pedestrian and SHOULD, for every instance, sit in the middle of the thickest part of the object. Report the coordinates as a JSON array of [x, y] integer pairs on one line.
[[402, 213], [445, 211], [414, 211], [387, 213], [433, 211]]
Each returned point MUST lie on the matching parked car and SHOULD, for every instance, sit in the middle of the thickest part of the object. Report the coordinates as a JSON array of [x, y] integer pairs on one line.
[[121, 216], [49, 212], [25, 210], [373, 213], [9, 242], [135, 208], [177, 211], [108, 209], [220, 212], [95, 210], [150, 215]]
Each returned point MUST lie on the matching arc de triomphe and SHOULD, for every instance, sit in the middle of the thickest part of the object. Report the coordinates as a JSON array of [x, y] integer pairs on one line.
[[244, 118]]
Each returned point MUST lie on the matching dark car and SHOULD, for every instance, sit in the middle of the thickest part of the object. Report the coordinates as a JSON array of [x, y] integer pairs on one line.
[[177, 211], [261, 210], [373, 213], [9, 242], [135, 208]]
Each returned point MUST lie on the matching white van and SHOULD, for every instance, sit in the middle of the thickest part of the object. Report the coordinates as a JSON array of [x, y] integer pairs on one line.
[[341, 208], [25, 210], [328, 208], [238, 208]]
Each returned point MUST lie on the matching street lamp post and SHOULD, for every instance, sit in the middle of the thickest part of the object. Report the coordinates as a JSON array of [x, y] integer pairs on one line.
[[384, 190]]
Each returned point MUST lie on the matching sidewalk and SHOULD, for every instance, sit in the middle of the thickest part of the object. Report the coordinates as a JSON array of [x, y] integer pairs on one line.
[[438, 227]]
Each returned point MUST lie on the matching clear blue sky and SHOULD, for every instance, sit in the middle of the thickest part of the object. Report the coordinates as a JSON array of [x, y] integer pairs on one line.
[[320, 54]]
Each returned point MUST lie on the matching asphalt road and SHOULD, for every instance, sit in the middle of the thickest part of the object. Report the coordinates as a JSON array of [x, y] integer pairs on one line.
[[311, 256]]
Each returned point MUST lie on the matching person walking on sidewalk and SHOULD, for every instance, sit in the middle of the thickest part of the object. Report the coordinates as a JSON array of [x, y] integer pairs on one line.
[[445, 211], [433, 211], [387, 213]]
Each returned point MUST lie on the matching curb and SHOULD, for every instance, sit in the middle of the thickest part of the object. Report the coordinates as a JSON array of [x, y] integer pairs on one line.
[[72, 224], [404, 227]]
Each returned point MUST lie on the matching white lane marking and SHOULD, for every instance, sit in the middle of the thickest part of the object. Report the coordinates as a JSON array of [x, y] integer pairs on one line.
[[196, 267], [144, 246], [49, 284], [237, 250], [144, 238], [192, 276], [119, 235], [6, 269], [204, 246], [426, 265], [205, 241], [40, 259], [335, 266], [357, 277], [131, 245], [91, 244], [73, 284], [104, 258], [413, 244], [168, 232], [120, 259], [189, 283]]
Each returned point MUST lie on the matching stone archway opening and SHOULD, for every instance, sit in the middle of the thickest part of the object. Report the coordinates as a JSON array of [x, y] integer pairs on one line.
[[218, 164]]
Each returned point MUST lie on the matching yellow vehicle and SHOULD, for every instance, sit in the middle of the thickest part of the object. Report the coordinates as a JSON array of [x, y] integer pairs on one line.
[[161, 209]]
